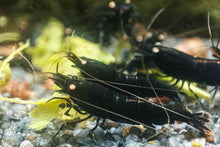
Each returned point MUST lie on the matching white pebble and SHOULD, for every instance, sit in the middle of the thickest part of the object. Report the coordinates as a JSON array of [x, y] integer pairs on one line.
[[26, 143]]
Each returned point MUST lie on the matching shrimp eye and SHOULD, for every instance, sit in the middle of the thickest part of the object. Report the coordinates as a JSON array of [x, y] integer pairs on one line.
[[75, 76], [157, 43], [162, 36], [112, 4], [83, 62], [139, 38], [155, 50], [210, 136], [149, 35], [72, 87]]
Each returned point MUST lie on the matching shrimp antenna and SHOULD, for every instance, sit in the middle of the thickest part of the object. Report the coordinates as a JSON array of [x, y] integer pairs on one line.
[[162, 106], [157, 15], [209, 29], [57, 67], [32, 68], [70, 49], [215, 50]]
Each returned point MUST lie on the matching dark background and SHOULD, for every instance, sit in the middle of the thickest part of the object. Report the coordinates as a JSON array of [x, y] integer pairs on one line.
[[181, 18]]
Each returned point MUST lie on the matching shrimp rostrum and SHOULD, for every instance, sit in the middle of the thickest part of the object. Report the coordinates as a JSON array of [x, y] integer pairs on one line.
[[102, 102]]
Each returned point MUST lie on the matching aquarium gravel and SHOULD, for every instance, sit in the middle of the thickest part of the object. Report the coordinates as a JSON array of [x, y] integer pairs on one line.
[[14, 132]]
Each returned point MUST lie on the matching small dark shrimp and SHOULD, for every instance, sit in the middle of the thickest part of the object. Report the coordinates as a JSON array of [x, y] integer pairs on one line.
[[122, 13], [183, 66], [102, 102], [138, 85], [109, 19]]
